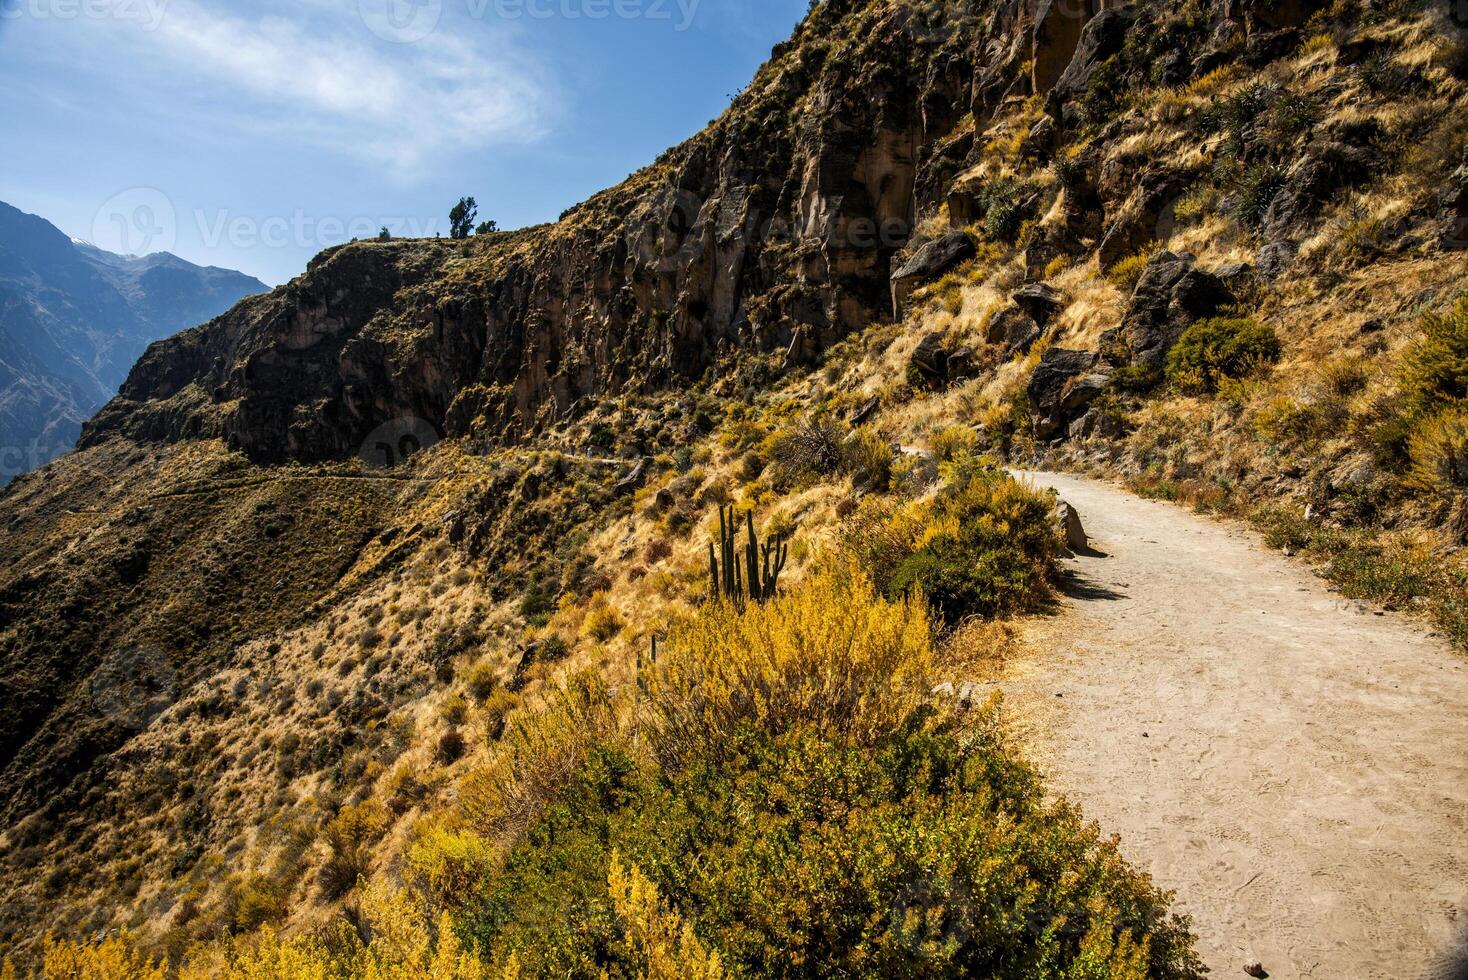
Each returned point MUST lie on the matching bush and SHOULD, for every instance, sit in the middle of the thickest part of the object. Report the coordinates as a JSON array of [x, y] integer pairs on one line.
[[1211, 350], [482, 680], [805, 451], [1127, 272], [868, 457], [1434, 370], [953, 442], [909, 837], [930, 853], [350, 836], [496, 709], [603, 621], [450, 747], [1438, 448], [986, 547], [831, 656], [1255, 191]]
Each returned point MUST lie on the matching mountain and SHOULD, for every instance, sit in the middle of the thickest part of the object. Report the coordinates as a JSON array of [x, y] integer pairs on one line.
[[74, 318], [385, 596]]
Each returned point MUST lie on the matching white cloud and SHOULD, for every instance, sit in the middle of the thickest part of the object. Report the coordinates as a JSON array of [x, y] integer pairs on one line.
[[313, 71]]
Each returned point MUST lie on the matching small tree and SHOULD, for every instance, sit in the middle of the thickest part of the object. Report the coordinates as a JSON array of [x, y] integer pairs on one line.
[[384, 235], [461, 217], [487, 228]]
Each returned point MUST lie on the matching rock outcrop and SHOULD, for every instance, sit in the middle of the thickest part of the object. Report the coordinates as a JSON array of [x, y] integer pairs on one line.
[[1171, 295], [928, 263], [1064, 384]]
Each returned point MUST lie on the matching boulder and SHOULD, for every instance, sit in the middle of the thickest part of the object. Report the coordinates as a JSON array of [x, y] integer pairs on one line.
[[1049, 389], [1144, 217], [938, 366], [928, 263], [635, 479], [1040, 300], [1039, 142], [1103, 36], [1276, 257], [865, 413], [1274, 15], [963, 200], [1072, 531], [1170, 296], [1008, 322], [1323, 170]]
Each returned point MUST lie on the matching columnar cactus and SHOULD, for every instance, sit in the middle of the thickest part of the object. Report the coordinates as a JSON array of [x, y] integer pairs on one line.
[[759, 575]]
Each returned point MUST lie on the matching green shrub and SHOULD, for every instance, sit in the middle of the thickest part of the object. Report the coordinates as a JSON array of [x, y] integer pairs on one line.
[[1435, 367], [1211, 350], [1255, 191], [804, 451], [985, 546]]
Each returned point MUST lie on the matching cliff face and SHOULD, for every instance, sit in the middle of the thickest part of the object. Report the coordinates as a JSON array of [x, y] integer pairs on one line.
[[775, 229]]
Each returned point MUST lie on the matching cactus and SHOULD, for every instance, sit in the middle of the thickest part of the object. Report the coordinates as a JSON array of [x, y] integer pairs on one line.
[[757, 575]]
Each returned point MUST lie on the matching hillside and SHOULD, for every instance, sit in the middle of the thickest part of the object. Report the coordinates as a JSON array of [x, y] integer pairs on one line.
[[74, 319], [344, 612]]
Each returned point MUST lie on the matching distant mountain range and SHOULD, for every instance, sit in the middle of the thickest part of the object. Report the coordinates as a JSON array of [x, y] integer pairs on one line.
[[74, 318]]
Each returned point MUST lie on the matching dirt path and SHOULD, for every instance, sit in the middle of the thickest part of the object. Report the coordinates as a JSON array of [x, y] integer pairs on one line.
[[1294, 766]]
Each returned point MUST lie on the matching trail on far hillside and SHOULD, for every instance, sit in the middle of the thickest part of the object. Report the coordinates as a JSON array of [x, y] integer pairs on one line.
[[1293, 765]]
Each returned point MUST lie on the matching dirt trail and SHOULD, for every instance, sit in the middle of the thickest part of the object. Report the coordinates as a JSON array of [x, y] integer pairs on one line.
[[1294, 766]]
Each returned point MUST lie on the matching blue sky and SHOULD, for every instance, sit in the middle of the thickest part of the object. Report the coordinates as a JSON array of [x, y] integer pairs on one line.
[[252, 134]]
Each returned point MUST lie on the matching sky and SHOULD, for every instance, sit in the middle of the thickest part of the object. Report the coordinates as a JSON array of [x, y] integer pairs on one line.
[[251, 134]]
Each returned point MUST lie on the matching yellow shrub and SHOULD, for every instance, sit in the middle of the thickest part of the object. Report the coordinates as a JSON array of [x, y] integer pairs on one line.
[[114, 958], [1316, 43], [657, 937], [1058, 265], [1213, 82], [1438, 449], [1126, 273], [351, 835], [868, 457], [953, 441], [403, 947], [538, 753], [602, 621], [830, 654], [448, 862]]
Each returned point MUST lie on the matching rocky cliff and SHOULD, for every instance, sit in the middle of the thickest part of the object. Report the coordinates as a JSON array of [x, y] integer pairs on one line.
[[774, 229]]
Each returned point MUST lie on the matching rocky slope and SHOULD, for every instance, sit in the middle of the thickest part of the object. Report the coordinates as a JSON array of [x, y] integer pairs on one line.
[[74, 318], [244, 607]]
